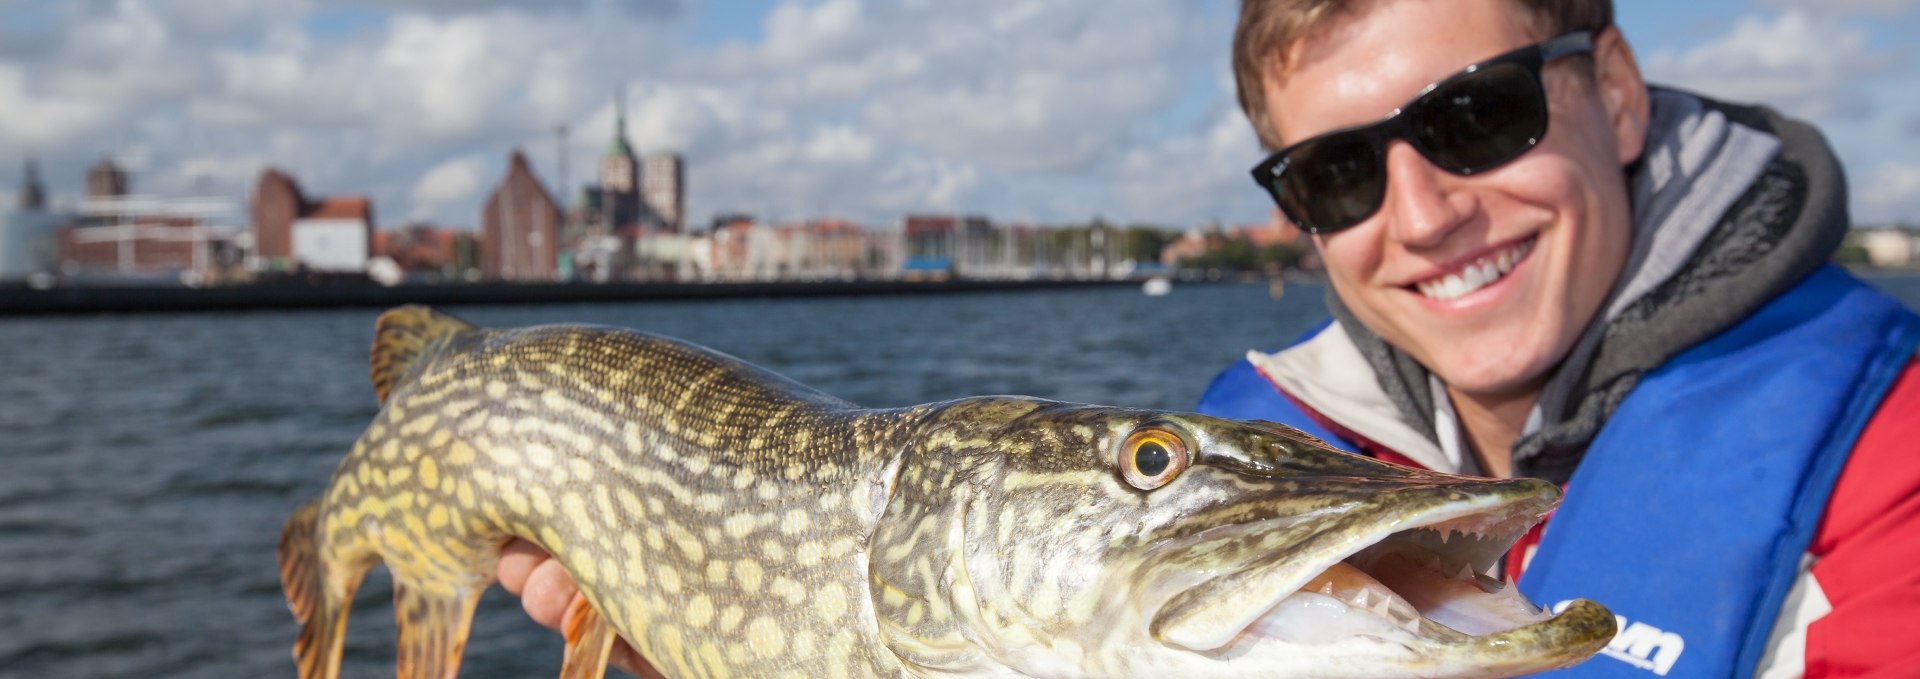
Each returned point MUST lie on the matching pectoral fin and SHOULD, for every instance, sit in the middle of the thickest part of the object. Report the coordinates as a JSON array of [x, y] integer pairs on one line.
[[589, 642]]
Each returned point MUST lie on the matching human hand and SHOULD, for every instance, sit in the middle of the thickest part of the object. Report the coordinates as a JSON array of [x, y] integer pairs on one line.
[[545, 591]]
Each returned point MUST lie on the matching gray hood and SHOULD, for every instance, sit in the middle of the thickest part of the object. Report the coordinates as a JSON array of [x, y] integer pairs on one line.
[[1731, 206]]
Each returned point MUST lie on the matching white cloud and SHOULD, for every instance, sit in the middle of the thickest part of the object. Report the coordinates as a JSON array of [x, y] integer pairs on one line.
[[453, 181], [1807, 65], [863, 109]]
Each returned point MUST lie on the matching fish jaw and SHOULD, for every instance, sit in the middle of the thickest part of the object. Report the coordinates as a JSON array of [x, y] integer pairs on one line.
[[1410, 595]]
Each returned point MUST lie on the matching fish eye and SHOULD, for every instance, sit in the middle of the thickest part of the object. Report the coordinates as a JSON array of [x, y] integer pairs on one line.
[[1152, 457]]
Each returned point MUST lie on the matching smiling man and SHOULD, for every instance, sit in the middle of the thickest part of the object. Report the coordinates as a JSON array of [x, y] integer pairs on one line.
[[1543, 267]]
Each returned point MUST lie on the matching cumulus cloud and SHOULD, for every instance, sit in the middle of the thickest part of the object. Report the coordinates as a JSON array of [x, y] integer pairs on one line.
[[862, 109], [1805, 64], [453, 181]]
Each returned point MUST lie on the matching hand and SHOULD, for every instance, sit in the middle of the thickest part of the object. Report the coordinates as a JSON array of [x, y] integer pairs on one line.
[[545, 590]]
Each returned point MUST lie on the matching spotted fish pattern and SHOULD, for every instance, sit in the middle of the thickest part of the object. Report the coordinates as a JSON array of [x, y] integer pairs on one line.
[[729, 522]]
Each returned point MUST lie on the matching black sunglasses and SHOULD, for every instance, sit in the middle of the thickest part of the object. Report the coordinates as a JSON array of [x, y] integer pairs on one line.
[[1473, 121]]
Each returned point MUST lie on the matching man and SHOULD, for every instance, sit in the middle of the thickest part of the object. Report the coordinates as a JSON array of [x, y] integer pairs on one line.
[[1542, 267]]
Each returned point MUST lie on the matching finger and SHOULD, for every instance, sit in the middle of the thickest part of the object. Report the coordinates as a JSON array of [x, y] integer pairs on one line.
[[517, 560], [547, 594]]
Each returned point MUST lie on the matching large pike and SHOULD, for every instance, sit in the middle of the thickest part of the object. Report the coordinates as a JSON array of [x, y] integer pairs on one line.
[[727, 521]]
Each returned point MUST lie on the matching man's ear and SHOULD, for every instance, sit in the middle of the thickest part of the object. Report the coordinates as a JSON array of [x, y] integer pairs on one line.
[[1616, 78]]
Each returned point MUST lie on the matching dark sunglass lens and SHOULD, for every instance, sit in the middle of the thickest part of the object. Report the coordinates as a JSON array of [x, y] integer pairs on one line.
[[1333, 182], [1480, 119]]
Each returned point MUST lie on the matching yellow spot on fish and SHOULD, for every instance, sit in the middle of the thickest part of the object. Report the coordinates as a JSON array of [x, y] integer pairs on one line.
[[496, 389], [460, 454], [809, 553], [785, 588], [748, 573], [668, 576], [699, 611], [730, 618], [429, 472], [765, 638], [830, 602], [437, 518], [795, 522], [542, 501]]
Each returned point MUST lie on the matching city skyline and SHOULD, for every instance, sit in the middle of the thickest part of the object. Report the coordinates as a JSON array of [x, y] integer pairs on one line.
[[1050, 113]]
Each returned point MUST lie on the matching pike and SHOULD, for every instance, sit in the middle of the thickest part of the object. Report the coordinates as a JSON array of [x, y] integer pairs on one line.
[[728, 522]]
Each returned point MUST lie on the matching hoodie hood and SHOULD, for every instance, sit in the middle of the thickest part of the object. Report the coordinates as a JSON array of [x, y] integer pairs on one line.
[[1732, 206]]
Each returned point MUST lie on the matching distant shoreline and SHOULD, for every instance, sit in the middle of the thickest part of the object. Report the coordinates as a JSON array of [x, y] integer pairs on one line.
[[97, 300]]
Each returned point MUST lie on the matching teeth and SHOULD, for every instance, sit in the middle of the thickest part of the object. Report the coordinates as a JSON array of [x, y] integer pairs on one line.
[[1476, 275]]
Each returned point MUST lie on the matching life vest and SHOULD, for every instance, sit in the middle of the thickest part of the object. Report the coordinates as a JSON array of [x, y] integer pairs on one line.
[[1690, 511]]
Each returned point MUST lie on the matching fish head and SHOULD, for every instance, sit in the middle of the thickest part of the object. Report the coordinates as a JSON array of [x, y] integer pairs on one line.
[[1069, 540]]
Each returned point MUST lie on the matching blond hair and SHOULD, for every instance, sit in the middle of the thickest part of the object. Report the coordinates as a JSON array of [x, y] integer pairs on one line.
[[1268, 28]]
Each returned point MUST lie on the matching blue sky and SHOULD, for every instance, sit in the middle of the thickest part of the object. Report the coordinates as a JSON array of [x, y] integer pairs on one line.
[[1048, 111]]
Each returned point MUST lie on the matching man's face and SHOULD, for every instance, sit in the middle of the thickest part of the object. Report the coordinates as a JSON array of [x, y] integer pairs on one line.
[[1555, 219]]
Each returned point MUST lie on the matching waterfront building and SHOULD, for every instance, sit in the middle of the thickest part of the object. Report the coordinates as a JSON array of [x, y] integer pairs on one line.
[[329, 234], [939, 246], [149, 240], [520, 227], [663, 186], [430, 254]]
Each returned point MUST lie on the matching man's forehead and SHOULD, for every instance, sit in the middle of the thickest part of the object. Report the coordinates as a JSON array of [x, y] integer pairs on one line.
[[1376, 55]]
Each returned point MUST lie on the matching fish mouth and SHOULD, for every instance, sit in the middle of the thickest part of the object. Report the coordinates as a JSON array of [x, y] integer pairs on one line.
[[1419, 581]]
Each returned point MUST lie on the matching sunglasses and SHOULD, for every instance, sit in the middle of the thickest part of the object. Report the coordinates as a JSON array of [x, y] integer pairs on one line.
[[1473, 121]]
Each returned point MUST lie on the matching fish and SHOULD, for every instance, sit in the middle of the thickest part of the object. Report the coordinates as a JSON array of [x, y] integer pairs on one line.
[[726, 521]]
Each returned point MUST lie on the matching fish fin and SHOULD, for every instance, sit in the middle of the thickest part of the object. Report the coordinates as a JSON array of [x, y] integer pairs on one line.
[[432, 621], [589, 642], [401, 336], [319, 603]]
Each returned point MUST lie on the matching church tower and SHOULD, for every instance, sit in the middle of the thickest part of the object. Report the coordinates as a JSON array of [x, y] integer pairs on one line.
[[33, 196], [619, 173]]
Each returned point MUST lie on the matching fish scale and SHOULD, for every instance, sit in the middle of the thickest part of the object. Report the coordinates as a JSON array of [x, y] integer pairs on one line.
[[729, 522]]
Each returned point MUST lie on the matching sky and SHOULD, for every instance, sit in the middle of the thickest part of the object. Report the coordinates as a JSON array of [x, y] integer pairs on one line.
[[1050, 111]]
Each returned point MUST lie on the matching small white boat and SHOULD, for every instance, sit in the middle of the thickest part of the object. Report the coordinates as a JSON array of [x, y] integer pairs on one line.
[[1156, 286]]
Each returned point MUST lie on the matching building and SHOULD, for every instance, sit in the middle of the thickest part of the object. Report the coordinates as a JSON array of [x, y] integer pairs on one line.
[[426, 253], [106, 180], [147, 240], [619, 191], [663, 187], [332, 234], [520, 227], [335, 235], [938, 246]]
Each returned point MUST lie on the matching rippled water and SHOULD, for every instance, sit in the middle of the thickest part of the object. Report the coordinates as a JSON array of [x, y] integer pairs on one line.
[[147, 462]]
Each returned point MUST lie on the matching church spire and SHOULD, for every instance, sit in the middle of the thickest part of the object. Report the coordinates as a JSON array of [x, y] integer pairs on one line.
[[32, 195], [619, 147]]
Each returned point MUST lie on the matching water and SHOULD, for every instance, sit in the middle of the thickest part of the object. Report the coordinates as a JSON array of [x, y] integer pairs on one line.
[[149, 461]]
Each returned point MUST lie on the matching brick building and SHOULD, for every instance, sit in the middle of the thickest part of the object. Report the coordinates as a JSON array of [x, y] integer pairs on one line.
[[292, 231], [520, 227]]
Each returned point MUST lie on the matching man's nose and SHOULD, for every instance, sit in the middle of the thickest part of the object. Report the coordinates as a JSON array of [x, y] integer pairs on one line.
[[1423, 204]]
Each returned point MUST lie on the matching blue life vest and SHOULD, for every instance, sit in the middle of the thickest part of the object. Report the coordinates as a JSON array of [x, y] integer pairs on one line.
[[1689, 513]]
